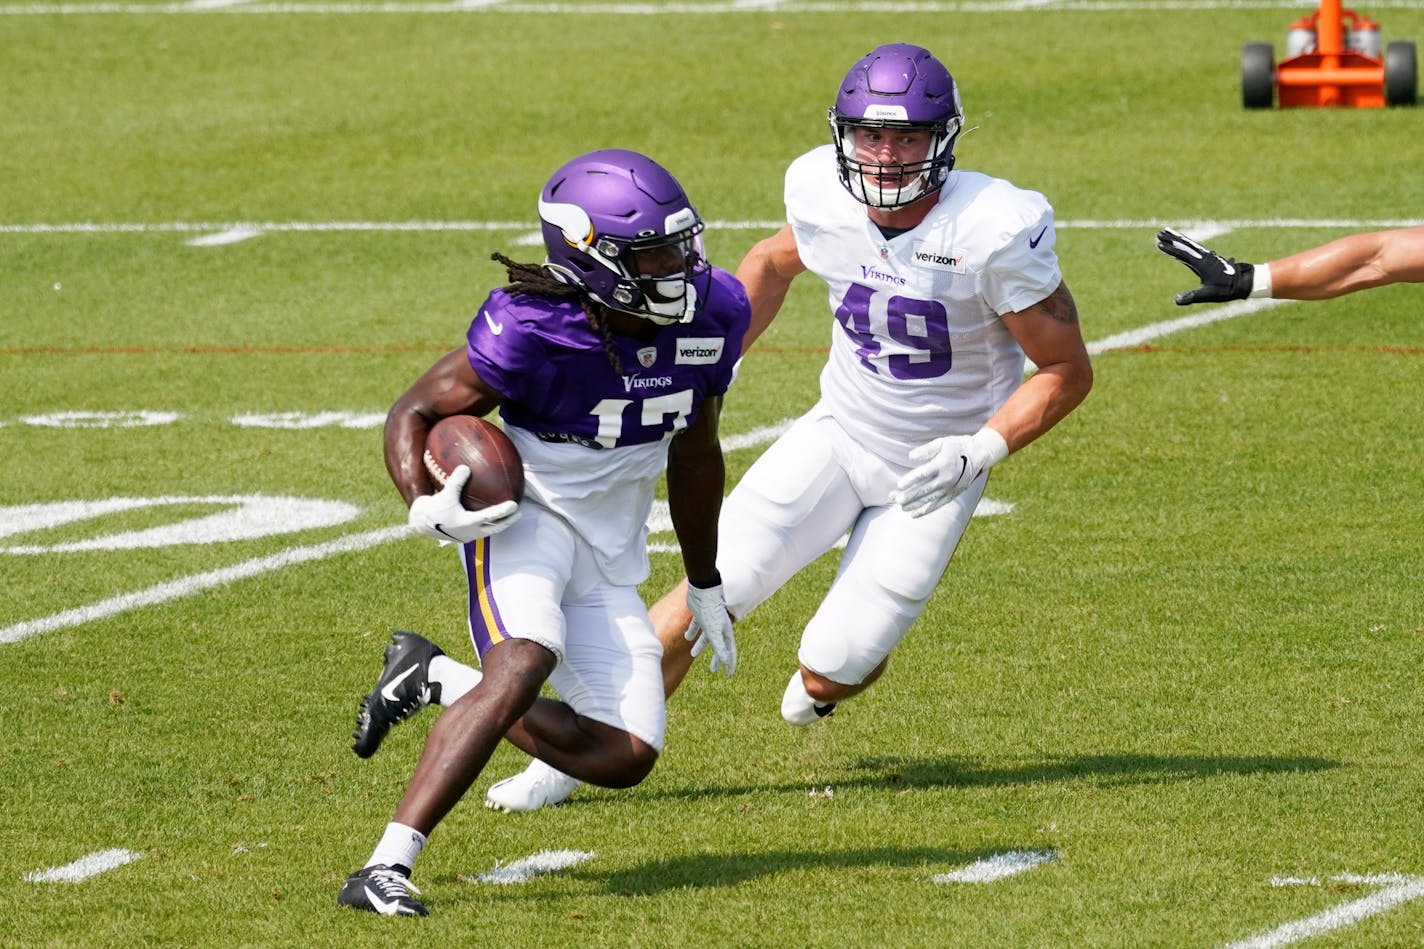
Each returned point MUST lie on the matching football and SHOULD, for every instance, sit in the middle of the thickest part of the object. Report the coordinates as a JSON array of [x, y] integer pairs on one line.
[[496, 471]]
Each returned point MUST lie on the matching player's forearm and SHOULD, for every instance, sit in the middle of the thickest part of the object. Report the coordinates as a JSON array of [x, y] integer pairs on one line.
[[764, 310], [696, 483], [403, 444], [766, 272], [1043, 401], [766, 292], [1348, 264]]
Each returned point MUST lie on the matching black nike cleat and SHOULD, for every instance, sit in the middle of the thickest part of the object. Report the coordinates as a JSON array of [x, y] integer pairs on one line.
[[381, 889], [403, 689]]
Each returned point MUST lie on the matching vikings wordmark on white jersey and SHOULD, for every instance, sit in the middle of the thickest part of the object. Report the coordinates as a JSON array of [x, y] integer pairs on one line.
[[595, 440], [919, 350]]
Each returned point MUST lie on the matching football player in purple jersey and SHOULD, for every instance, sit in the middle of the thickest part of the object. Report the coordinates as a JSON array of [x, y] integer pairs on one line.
[[607, 364], [1333, 269], [940, 281]]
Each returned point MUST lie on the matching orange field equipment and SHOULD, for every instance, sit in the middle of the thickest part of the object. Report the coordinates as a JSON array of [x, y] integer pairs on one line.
[[1333, 59]]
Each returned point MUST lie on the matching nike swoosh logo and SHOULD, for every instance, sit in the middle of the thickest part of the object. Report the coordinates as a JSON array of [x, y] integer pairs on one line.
[[385, 909], [389, 692], [442, 530], [1033, 241], [1227, 269], [495, 328]]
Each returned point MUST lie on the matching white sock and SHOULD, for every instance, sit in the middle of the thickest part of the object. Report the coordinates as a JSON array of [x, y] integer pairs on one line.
[[399, 847], [454, 678], [539, 768], [797, 706]]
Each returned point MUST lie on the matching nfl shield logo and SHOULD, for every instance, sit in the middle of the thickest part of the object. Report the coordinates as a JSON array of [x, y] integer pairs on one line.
[[647, 356]]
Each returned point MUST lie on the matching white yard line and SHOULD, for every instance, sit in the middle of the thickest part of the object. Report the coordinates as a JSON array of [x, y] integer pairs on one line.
[[764, 435], [298, 227], [539, 864], [1340, 916], [187, 586], [235, 235], [785, 8], [999, 866], [1202, 317], [85, 867], [204, 5], [1222, 226]]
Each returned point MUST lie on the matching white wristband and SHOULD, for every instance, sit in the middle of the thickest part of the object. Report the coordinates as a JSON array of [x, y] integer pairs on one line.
[[992, 445], [1261, 281]]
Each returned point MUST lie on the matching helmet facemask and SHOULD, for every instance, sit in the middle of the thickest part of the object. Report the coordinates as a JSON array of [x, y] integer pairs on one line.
[[899, 184], [656, 273]]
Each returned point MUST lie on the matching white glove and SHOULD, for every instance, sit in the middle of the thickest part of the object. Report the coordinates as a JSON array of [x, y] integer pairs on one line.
[[947, 466], [711, 623], [443, 517]]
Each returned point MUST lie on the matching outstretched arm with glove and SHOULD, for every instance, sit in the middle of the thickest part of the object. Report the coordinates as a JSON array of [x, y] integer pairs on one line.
[[1344, 265]]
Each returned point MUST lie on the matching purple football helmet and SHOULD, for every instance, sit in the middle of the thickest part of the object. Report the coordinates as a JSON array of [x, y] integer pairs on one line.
[[620, 228], [896, 86]]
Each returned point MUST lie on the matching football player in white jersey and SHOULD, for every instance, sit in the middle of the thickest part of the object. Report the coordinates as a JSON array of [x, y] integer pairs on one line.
[[607, 364], [1333, 269], [940, 281]]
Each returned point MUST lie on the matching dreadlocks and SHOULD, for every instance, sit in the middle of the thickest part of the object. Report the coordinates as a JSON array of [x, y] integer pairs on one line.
[[527, 279], [533, 278]]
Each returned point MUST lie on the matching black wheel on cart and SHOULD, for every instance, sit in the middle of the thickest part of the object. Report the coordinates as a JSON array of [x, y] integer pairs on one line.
[[1401, 74], [1258, 76]]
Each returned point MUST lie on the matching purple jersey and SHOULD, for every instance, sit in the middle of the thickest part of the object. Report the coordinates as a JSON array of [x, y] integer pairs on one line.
[[552, 370], [563, 404]]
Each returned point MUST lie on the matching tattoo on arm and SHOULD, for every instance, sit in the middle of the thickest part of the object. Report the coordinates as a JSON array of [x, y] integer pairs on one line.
[[1059, 306]]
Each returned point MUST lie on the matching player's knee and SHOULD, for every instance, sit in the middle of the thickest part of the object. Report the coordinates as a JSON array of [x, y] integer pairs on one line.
[[629, 766], [820, 688], [824, 689]]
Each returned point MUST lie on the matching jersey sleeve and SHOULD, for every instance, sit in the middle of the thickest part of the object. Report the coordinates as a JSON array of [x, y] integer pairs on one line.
[[806, 197], [503, 354], [1024, 270], [729, 300]]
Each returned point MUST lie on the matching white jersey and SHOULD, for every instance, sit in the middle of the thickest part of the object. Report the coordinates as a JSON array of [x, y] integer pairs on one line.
[[607, 494], [919, 350]]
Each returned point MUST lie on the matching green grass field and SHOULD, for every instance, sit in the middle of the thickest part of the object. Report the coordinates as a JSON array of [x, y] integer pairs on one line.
[[1185, 665]]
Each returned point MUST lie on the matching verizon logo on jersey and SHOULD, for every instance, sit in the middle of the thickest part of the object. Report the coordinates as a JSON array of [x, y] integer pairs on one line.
[[699, 350], [936, 258]]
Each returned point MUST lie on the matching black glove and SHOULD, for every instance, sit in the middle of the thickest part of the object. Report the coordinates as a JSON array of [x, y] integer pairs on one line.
[[1222, 277]]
